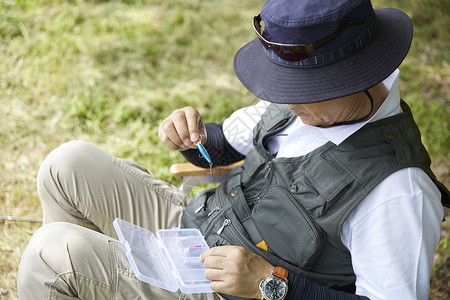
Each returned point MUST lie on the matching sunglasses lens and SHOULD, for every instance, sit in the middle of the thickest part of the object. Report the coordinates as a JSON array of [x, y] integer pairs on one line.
[[291, 56], [257, 26], [286, 52]]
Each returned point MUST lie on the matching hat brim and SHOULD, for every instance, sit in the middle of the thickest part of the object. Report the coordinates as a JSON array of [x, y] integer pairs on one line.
[[362, 70]]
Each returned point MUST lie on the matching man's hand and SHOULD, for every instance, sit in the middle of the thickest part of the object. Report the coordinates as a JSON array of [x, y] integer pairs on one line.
[[182, 129], [235, 271]]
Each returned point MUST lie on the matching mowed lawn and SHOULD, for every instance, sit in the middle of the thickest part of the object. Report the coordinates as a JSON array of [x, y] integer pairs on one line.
[[108, 72]]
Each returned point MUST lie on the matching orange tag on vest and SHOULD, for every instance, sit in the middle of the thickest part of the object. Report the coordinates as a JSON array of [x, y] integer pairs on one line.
[[262, 245]]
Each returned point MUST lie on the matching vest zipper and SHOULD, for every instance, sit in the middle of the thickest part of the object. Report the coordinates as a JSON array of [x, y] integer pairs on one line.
[[268, 171], [213, 218], [203, 207], [225, 223], [214, 210]]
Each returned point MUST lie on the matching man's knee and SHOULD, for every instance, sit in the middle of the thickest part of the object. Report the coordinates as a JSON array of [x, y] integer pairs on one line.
[[66, 158], [50, 247], [56, 249]]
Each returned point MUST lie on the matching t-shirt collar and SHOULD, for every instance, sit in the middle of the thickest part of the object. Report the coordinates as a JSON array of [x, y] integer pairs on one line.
[[390, 106]]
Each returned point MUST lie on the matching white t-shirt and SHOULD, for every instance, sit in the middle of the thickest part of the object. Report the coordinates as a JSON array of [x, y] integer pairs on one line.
[[393, 233]]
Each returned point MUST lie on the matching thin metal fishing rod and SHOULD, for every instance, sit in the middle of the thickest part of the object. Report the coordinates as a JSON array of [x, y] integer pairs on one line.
[[18, 219]]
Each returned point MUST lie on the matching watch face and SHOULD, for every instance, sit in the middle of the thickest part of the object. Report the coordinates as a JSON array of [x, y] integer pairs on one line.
[[275, 289]]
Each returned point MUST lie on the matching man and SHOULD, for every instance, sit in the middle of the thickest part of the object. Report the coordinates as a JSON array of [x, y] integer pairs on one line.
[[335, 199]]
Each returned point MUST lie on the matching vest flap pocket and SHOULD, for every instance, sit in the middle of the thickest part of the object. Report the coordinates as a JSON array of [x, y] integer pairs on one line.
[[289, 231], [319, 186]]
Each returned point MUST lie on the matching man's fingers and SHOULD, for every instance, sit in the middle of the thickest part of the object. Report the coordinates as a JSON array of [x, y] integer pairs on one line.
[[168, 135], [194, 121], [234, 270], [182, 129], [216, 251], [220, 287], [180, 123], [215, 262], [214, 274]]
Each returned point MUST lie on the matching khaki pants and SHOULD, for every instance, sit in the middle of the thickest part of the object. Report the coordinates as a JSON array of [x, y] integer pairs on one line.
[[75, 255]]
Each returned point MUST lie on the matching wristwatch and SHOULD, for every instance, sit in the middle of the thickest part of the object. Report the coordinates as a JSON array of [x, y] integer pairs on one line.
[[275, 286]]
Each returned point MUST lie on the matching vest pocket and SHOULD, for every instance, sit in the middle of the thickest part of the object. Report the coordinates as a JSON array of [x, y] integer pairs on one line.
[[289, 231], [198, 210], [317, 195]]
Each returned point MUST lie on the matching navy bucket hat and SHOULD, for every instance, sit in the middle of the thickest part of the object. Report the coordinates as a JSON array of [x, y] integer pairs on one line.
[[354, 48]]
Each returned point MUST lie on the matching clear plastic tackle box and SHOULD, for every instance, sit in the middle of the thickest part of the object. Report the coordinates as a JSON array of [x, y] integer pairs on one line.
[[169, 260]]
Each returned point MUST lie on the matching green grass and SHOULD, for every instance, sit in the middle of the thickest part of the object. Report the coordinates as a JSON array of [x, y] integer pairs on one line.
[[109, 72]]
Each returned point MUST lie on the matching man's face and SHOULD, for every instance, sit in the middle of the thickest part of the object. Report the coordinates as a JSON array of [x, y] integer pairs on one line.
[[327, 113]]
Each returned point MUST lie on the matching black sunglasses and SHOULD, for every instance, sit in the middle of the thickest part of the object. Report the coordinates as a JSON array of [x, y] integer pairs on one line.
[[295, 52]]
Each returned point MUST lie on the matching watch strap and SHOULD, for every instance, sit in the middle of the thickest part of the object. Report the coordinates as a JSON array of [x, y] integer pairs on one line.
[[281, 273]]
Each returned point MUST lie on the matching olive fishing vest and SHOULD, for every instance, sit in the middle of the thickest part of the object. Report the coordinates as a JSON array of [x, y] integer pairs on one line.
[[297, 205]]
